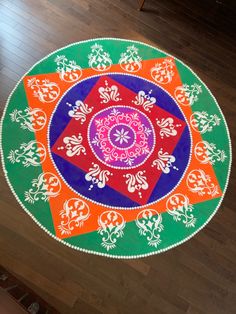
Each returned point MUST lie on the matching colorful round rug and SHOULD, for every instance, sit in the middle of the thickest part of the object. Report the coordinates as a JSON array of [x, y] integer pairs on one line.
[[115, 148]]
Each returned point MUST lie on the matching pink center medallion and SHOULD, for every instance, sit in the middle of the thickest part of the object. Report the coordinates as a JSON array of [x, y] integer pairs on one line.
[[121, 137]]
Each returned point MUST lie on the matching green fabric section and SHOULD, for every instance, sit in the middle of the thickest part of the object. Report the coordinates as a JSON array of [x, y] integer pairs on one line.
[[19, 176], [79, 53], [132, 243], [218, 135]]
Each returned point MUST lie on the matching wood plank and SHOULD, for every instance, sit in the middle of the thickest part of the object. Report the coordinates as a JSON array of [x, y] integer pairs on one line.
[[195, 278]]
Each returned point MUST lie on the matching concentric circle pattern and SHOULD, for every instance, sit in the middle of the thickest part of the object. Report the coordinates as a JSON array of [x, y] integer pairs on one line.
[[121, 136], [115, 148]]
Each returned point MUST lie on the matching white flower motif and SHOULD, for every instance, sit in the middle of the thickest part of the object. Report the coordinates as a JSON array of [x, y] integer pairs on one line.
[[147, 131], [115, 112], [121, 136], [129, 161], [96, 141]]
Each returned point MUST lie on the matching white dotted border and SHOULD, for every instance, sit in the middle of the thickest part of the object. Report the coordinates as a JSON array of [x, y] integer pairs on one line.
[[91, 251], [118, 207]]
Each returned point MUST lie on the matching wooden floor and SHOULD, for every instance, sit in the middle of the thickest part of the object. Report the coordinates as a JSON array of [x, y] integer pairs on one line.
[[198, 276]]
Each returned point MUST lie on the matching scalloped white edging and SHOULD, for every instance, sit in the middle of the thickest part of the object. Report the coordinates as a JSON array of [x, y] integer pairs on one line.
[[91, 251]]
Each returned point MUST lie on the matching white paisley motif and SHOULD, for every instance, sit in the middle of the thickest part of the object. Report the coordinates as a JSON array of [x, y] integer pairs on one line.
[[164, 162], [130, 61], [207, 153], [73, 145], [29, 154], [31, 119], [162, 71], [109, 93], [199, 182], [203, 122], [97, 176], [44, 90], [99, 60], [47, 185], [136, 182], [149, 222], [111, 225], [75, 212], [79, 111], [167, 127], [179, 207], [68, 70], [144, 100], [186, 95]]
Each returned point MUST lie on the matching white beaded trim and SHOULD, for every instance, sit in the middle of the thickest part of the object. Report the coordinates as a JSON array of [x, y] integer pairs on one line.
[[91, 251]]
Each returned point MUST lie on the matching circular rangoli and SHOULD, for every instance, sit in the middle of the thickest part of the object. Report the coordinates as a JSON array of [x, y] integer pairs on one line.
[[115, 148]]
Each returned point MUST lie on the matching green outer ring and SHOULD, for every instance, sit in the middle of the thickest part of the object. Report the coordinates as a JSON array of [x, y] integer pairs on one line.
[[96, 252]]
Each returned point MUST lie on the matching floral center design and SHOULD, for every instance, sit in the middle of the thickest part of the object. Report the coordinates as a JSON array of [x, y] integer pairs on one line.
[[121, 137]]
